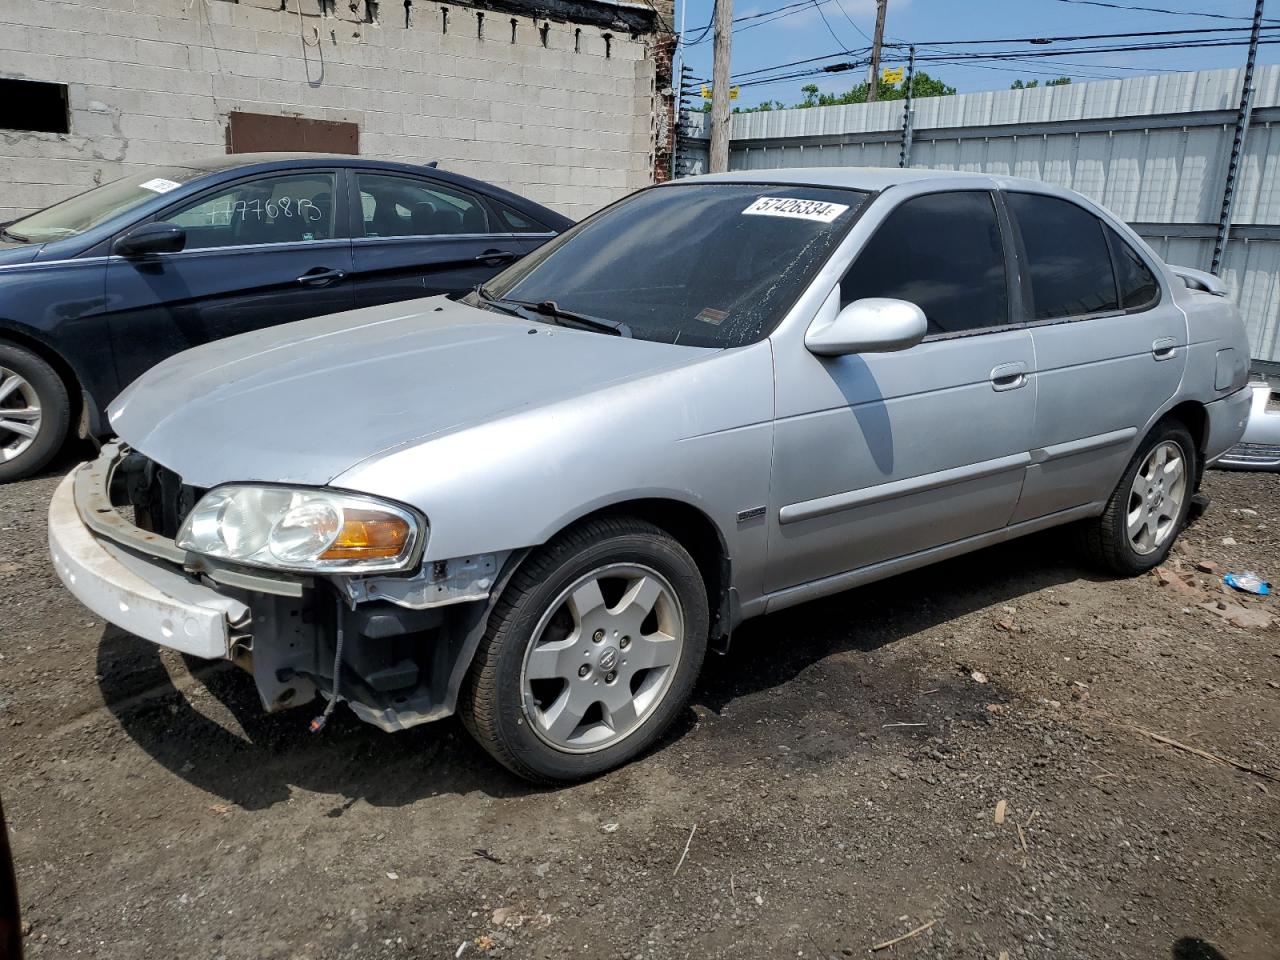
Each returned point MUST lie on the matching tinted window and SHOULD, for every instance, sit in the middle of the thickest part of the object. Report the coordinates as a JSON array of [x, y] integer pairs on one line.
[[406, 207], [287, 209], [943, 252], [1138, 285], [705, 264], [518, 222], [1068, 263]]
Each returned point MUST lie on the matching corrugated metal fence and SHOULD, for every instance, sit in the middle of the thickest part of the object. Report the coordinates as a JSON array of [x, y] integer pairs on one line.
[[1152, 149]]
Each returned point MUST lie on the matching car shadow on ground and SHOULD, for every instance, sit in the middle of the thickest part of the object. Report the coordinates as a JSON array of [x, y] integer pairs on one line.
[[215, 735], [1193, 948]]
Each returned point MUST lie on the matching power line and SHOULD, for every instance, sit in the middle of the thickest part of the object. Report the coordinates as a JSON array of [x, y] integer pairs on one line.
[[968, 58], [1083, 36], [851, 23], [938, 43], [798, 63], [1073, 51], [843, 46], [1176, 13], [795, 7]]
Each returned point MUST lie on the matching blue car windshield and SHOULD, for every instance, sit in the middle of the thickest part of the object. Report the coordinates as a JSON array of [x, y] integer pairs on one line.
[[85, 211], [701, 264]]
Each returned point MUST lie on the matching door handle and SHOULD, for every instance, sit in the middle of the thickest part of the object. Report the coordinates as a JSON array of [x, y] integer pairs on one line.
[[1166, 348], [321, 277], [495, 257], [1009, 376]]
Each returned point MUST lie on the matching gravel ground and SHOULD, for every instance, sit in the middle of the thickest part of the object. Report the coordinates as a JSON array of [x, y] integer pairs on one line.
[[958, 747]]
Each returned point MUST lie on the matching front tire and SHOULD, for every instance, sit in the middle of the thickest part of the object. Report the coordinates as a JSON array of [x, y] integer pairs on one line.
[[35, 413], [590, 653], [1149, 505]]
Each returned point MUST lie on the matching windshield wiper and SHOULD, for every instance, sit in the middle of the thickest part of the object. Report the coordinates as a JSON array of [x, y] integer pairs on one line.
[[549, 308], [489, 300], [16, 238]]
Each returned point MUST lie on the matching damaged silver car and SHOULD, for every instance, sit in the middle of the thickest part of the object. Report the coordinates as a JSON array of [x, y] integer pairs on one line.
[[719, 397]]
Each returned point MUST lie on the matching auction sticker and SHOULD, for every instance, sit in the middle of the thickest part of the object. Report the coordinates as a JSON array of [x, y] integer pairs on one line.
[[160, 185], [818, 210]]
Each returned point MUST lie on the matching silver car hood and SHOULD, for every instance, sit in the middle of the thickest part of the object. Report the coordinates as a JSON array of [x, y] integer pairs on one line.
[[306, 401]]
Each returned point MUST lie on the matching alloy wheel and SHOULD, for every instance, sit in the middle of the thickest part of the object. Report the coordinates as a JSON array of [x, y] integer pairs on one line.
[[602, 658], [19, 414], [1156, 497]]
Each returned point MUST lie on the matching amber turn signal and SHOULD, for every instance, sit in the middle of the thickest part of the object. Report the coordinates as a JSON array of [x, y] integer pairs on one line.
[[368, 534]]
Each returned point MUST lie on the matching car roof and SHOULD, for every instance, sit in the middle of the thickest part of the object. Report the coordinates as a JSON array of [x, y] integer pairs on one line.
[[858, 178], [236, 161], [227, 165]]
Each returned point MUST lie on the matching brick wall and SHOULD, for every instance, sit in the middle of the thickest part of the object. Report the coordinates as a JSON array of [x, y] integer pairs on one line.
[[152, 82]]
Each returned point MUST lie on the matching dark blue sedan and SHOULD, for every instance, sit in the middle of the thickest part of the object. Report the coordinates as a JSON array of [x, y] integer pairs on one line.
[[98, 288]]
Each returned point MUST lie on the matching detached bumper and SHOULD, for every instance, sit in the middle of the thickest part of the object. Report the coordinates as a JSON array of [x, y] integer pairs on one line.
[[1227, 419], [1259, 446], [166, 608]]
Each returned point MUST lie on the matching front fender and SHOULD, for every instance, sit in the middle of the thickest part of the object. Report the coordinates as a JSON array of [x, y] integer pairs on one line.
[[700, 434]]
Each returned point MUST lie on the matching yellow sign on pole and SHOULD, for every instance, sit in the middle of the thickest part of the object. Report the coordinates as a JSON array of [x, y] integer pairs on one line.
[[892, 75], [706, 92]]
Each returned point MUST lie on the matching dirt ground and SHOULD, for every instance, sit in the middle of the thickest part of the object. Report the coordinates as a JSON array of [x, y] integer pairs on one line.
[[834, 785]]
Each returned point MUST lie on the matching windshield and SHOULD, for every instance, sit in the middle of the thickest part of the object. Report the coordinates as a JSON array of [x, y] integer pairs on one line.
[[85, 211], [702, 264]]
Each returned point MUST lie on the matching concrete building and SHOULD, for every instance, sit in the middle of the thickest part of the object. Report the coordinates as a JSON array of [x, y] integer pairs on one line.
[[565, 101]]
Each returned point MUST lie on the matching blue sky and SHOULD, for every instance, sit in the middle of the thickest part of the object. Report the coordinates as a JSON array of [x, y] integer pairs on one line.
[[804, 34]]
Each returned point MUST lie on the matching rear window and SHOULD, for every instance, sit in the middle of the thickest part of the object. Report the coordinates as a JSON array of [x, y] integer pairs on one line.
[[518, 222], [1138, 287], [702, 264], [1067, 257]]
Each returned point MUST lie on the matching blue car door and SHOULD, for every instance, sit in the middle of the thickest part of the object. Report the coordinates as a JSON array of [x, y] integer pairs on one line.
[[417, 237], [262, 251]]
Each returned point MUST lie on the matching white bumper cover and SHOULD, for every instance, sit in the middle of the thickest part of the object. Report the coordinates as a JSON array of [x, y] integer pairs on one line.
[[143, 598]]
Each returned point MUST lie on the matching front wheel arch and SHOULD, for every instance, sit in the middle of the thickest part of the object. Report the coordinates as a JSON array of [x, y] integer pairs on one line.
[[694, 530], [84, 410]]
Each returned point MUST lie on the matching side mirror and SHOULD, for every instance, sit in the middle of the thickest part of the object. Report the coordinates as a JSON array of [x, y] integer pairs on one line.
[[151, 238], [870, 325]]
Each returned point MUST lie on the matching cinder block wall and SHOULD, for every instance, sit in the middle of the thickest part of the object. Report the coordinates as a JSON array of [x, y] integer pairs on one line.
[[152, 82]]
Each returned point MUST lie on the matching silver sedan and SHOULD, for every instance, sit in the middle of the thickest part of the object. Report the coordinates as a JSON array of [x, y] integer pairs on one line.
[[712, 400]]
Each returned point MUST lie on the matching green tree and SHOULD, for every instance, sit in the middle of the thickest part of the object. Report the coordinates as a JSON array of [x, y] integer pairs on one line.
[[1032, 84], [922, 85], [767, 107]]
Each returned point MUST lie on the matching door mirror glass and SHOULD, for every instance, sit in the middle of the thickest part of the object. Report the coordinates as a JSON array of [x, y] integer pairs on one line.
[[151, 238], [869, 325]]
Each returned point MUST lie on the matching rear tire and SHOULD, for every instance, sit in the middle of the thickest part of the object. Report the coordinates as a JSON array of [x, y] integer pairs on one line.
[[1149, 505], [35, 413], [590, 653]]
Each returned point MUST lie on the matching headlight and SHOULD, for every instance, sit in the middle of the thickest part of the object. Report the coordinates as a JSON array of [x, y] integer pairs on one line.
[[314, 531]]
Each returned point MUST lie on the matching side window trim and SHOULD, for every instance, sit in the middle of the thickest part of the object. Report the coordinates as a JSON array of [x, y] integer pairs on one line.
[[1027, 296], [1112, 234], [427, 183], [339, 234]]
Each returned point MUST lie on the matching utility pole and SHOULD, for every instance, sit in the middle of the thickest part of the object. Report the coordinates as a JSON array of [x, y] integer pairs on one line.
[[1237, 145], [873, 87], [719, 160]]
